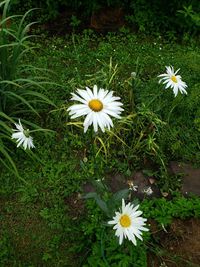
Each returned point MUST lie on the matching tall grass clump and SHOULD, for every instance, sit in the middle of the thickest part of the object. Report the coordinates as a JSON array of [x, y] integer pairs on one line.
[[19, 82]]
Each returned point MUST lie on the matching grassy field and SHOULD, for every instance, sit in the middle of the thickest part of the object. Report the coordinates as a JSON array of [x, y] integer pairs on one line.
[[44, 221]]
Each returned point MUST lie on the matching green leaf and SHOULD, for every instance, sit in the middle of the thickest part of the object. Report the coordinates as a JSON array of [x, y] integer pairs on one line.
[[102, 204], [10, 165], [41, 96], [23, 100], [46, 256], [3, 115], [90, 195], [120, 194]]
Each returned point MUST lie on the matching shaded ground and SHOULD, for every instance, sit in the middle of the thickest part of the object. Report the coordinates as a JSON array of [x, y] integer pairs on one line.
[[27, 239], [144, 185], [177, 246], [102, 21], [191, 177]]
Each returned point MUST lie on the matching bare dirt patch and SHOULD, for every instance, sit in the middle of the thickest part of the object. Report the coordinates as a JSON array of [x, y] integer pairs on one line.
[[177, 246]]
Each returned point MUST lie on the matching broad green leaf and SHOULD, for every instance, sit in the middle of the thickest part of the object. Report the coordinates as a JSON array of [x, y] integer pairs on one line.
[[120, 194]]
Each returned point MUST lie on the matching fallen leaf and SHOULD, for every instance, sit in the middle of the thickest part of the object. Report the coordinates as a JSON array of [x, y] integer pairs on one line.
[[152, 180]]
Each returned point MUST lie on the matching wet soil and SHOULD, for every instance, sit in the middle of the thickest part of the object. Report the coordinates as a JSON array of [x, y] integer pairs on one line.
[[190, 177], [177, 246]]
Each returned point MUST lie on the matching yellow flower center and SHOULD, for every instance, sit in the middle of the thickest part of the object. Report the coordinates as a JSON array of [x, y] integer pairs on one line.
[[95, 105], [174, 79], [125, 221]]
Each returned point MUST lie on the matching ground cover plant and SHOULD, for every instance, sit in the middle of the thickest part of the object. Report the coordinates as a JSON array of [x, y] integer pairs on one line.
[[58, 213]]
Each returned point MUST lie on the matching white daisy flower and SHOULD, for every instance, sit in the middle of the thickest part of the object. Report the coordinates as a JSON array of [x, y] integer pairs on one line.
[[128, 223], [97, 106], [22, 136], [148, 191], [174, 81]]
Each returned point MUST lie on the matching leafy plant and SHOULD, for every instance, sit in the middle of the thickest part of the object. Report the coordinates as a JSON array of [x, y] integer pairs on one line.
[[104, 247], [75, 22], [191, 17], [109, 204], [19, 82], [47, 221]]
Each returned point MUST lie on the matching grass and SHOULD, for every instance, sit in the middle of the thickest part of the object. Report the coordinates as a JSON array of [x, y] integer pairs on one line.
[[43, 221]]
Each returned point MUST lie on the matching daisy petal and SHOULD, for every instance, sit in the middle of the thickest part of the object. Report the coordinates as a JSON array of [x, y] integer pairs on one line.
[[97, 105], [128, 223], [172, 80]]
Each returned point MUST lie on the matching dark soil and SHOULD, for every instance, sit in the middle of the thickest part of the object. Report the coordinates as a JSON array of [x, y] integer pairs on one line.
[[190, 177], [103, 20], [177, 246]]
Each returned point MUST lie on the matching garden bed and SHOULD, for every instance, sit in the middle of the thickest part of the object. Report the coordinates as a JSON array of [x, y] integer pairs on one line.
[[57, 198]]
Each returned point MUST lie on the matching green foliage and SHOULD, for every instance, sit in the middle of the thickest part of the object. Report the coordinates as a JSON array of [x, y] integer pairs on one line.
[[163, 211], [106, 251], [74, 22], [149, 131], [7, 250], [116, 256], [192, 18], [153, 16], [109, 205], [45, 222], [17, 79], [19, 82]]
